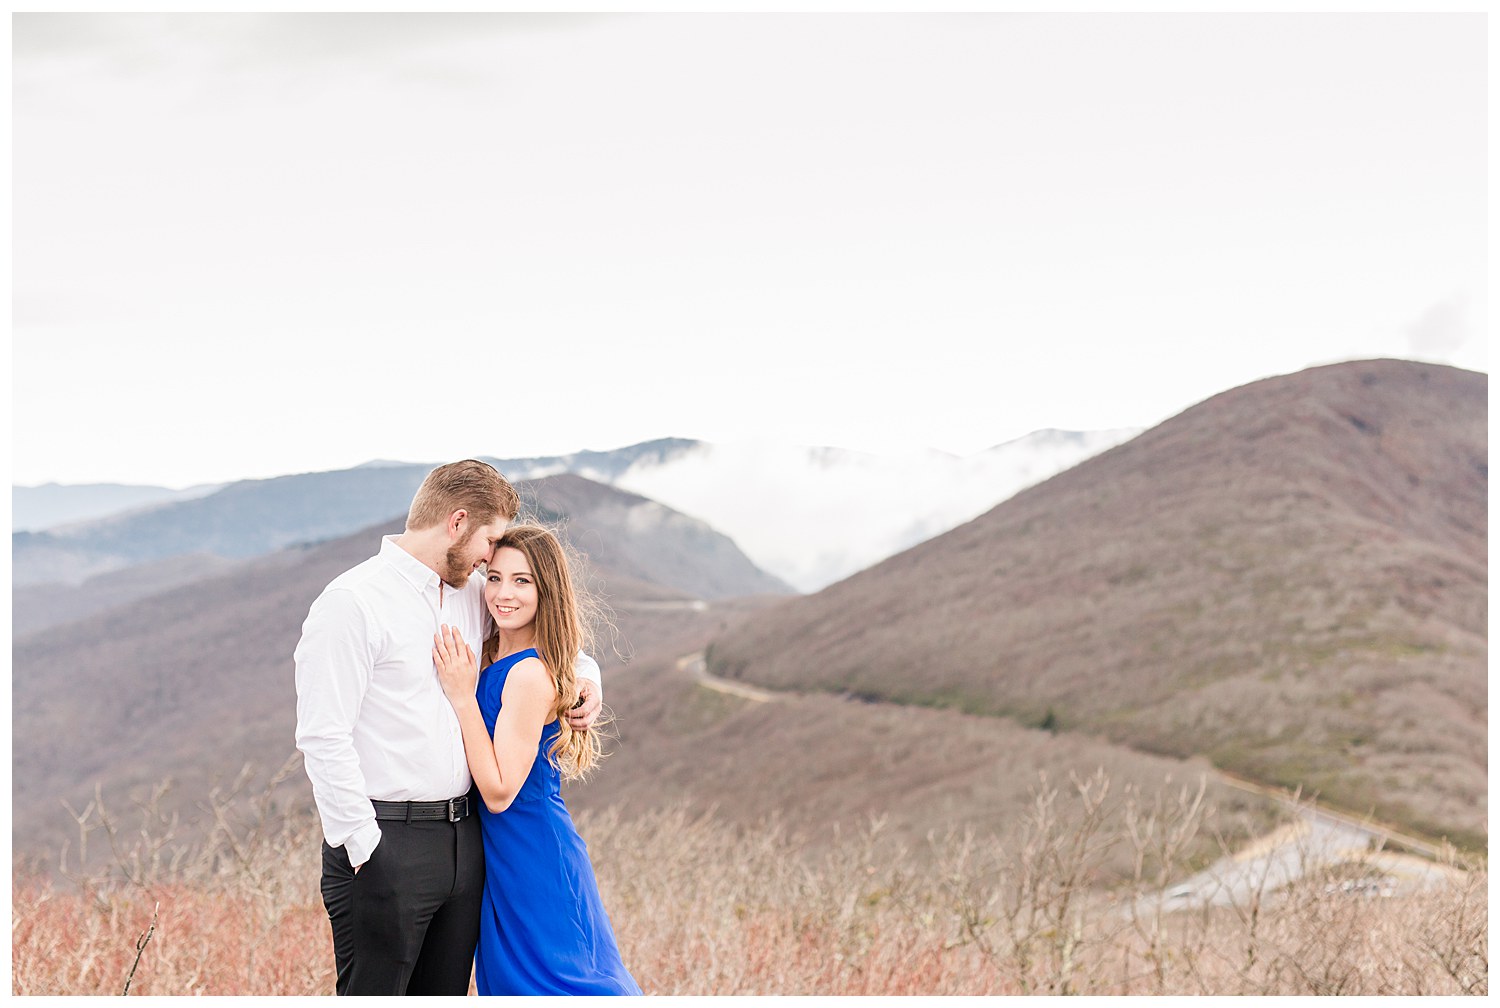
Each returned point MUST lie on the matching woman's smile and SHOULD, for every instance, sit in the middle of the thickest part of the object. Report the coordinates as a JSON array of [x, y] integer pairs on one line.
[[510, 590]]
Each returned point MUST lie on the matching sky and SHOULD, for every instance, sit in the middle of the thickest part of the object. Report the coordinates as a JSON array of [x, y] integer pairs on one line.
[[246, 245]]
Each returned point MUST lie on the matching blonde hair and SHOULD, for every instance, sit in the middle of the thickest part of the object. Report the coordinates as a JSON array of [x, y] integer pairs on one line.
[[560, 633], [476, 487]]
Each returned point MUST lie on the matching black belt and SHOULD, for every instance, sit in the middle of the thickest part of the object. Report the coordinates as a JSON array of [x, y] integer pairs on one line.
[[451, 810]]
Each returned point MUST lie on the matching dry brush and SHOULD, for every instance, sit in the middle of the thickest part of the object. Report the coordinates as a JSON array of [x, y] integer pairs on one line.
[[704, 907]]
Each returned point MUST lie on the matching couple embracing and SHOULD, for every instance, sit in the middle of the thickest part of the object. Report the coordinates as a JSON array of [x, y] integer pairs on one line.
[[447, 845]]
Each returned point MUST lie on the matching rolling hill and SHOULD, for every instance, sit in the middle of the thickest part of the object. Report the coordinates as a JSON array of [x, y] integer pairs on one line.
[[193, 682], [1288, 579]]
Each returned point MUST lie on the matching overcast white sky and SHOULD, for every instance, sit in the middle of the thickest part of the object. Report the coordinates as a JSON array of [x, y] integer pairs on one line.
[[246, 245]]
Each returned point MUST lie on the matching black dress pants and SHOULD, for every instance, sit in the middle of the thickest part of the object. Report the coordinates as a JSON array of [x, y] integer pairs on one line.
[[408, 921]]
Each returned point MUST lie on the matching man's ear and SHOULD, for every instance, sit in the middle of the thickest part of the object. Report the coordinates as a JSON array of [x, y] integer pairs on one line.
[[456, 523]]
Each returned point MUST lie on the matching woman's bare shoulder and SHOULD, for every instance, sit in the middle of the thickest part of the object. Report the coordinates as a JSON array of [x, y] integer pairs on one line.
[[531, 675]]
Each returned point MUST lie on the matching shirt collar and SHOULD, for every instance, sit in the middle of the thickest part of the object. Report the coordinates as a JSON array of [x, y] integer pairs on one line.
[[409, 567]]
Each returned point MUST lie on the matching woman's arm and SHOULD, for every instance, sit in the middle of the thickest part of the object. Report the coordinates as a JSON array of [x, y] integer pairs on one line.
[[500, 765]]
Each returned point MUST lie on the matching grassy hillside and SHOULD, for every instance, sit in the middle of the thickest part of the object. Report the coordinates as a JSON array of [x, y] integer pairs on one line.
[[1288, 579], [821, 764]]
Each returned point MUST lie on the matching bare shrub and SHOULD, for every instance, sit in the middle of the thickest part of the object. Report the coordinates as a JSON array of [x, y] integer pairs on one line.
[[704, 907], [238, 910]]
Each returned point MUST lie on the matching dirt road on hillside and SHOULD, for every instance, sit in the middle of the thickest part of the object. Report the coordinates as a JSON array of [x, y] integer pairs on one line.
[[1314, 841], [696, 665]]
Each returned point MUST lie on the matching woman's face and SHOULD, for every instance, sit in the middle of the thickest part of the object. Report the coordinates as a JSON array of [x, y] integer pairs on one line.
[[510, 589]]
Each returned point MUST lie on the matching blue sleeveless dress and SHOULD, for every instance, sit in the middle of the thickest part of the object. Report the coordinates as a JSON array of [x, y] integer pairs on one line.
[[542, 928]]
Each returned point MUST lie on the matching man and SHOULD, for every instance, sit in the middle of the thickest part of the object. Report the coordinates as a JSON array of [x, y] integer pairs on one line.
[[403, 859]]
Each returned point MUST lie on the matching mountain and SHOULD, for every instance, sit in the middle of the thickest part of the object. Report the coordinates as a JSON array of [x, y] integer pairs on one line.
[[195, 680], [806, 515], [52, 504], [36, 607], [1289, 578], [663, 546], [815, 515], [666, 548], [190, 685], [244, 519]]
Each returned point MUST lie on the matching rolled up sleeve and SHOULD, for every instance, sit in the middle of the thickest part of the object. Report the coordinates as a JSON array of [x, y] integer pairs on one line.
[[585, 667]]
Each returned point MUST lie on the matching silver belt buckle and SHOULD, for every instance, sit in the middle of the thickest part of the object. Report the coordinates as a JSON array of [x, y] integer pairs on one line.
[[453, 807]]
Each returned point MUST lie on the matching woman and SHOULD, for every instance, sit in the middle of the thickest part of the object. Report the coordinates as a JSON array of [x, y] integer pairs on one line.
[[543, 928]]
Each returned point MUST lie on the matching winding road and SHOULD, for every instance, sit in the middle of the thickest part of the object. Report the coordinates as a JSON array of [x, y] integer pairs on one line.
[[696, 665], [1315, 840]]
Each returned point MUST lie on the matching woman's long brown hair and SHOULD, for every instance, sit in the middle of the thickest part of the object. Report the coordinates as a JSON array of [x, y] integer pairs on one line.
[[559, 636]]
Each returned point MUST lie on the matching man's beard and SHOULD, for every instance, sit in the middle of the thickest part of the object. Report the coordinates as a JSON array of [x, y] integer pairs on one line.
[[455, 570]]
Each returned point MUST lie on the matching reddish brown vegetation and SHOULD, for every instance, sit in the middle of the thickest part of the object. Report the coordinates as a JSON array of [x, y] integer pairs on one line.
[[701, 907]]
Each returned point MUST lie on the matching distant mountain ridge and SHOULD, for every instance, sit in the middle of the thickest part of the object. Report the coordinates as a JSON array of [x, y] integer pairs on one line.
[[663, 547], [36, 508], [241, 520], [806, 515], [1289, 578]]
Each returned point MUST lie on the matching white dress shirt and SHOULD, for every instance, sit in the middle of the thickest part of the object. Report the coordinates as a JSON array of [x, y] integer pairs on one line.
[[372, 719]]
